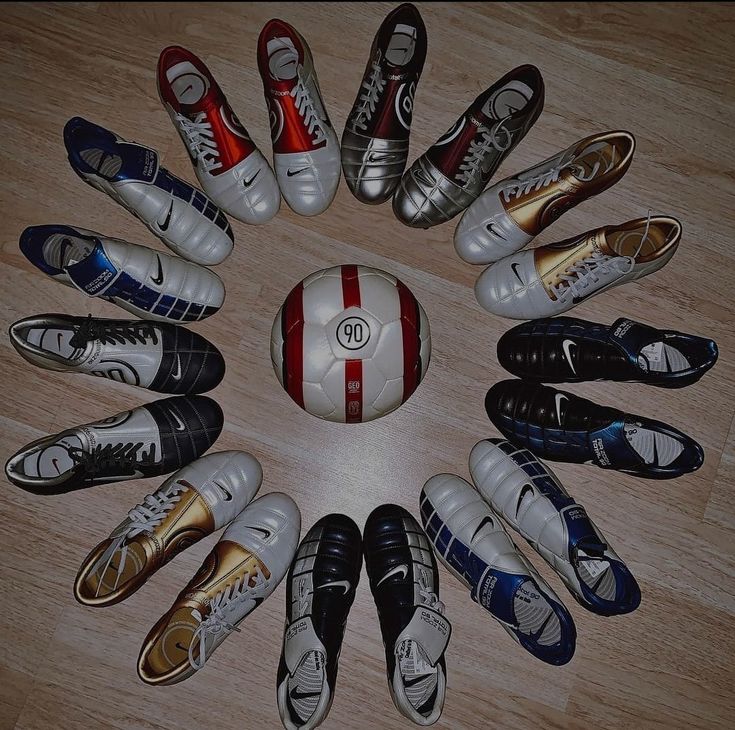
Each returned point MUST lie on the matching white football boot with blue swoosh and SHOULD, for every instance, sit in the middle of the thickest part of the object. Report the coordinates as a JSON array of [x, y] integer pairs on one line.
[[184, 218], [532, 500], [148, 283], [471, 542]]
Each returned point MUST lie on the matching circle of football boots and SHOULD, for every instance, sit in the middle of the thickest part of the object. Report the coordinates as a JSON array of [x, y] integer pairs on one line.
[[463, 524]]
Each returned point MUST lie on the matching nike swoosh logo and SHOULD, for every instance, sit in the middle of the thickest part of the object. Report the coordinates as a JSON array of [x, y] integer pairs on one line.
[[227, 494], [55, 462], [158, 279], [536, 635], [266, 533], [296, 695], [526, 489], [420, 175], [179, 645], [291, 173], [485, 521], [403, 569], [181, 426], [515, 266], [655, 452], [247, 183], [177, 374], [58, 340], [415, 680], [567, 346], [164, 226], [382, 157], [337, 584], [558, 400], [491, 229]]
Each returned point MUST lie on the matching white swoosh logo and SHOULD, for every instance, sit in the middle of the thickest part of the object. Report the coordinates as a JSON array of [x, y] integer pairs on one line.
[[338, 583], [567, 346], [558, 399], [177, 374], [180, 422], [403, 569]]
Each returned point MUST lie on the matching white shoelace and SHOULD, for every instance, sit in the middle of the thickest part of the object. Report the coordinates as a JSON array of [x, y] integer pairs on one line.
[[215, 622], [519, 188], [369, 98], [305, 107], [144, 518], [428, 596], [478, 149], [200, 140]]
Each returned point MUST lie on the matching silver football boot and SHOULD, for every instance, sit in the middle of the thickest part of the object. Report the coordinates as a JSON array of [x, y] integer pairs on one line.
[[375, 138]]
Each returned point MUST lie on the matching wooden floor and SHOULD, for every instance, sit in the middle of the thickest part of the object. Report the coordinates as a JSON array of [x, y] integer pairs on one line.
[[662, 71]]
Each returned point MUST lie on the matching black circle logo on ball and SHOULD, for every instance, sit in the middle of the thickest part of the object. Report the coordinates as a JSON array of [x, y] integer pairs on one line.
[[353, 333]]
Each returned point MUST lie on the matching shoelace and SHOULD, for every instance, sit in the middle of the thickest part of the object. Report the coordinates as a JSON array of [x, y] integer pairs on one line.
[[144, 518], [200, 140], [305, 107], [113, 334], [428, 596], [519, 188], [215, 621], [478, 149], [122, 457], [369, 98]]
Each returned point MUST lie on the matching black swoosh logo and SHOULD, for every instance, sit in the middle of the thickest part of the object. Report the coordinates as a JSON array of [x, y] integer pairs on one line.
[[266, 533], [485, 521], [158, 279], [247, 183], [164, 226], [415, 680], [291, 173], [296, 695], [179, 645], [536, 635], [515, 266], [227, 494], [526, 489]]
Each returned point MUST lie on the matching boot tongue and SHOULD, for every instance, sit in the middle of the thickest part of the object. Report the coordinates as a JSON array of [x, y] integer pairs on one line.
[[189, 86], [430, 630], [632, 337], [94, 273]]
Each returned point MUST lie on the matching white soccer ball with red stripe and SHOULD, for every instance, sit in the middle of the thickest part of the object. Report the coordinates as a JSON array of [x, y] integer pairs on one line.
[[350, 343]]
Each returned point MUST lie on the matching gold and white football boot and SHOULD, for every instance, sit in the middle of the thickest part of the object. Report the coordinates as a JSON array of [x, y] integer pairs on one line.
[[552, 279], [194, 502], [242, 570], [508, 215]]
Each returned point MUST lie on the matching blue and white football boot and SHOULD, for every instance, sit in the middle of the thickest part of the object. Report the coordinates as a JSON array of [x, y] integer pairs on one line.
[[471, 542], [148, 283], [184, 218], [532, 500], [570, 350], [561, 426]]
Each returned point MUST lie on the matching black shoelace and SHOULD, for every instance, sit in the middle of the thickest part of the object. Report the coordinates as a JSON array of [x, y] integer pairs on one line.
[[113, 333], [120, 458]]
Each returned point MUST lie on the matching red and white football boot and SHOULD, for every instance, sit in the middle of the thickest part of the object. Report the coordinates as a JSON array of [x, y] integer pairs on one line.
[[305, 147], [229, 167]]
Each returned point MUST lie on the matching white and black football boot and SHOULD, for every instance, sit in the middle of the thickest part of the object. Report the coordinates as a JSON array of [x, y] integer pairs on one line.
[[320, 590], [153, 439], [162, 357], [404, 581]]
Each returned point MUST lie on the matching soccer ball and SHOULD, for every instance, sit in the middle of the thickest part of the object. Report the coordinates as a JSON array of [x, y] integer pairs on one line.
[[350, 344]]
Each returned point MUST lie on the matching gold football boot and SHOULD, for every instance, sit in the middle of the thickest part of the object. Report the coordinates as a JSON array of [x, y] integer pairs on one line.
[[242, 570], [509, 215], [549, 280], [202, 497]]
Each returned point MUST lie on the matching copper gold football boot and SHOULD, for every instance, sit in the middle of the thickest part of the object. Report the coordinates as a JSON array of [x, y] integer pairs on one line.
[[244, 568], [508, 215], [375, 139], [552, 279], [202, 497]]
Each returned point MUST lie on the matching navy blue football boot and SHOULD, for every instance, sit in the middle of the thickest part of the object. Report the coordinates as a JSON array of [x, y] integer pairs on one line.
[[569, 350], [404, 581], [561, 426]]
